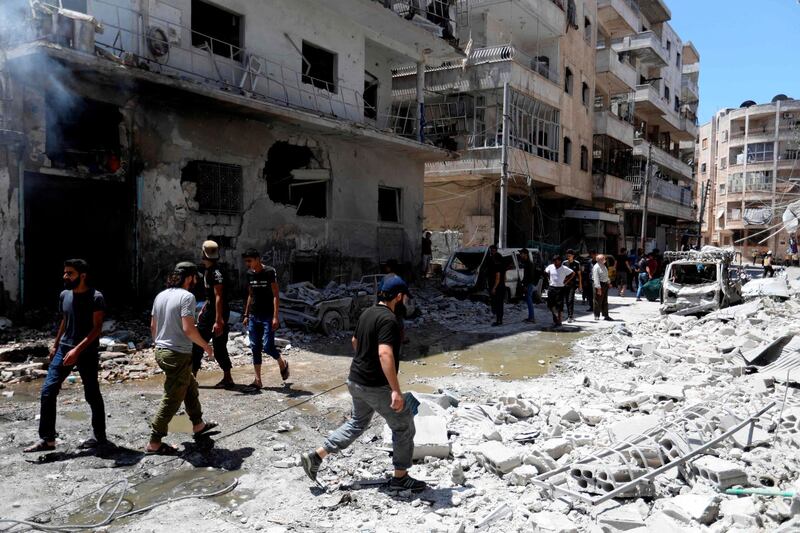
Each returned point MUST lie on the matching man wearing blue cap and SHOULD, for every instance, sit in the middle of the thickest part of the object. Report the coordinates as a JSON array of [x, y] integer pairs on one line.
[[374, 386]]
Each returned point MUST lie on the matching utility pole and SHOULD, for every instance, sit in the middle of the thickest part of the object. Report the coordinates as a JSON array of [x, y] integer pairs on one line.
[[702, 213], [503, 229], [421, 101], [645, 193]]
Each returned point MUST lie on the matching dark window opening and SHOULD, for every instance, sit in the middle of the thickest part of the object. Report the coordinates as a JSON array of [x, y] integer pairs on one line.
[[666, 93], [370, 96], [292, 179], [587, 29], [568, 80], [74, 5], [218, 186], [585, 94], [677, 104], [567, 150], [584, 159], [388, 204], [611, 156], [319, 67], [217, 29], [678, 59], [82, 134]]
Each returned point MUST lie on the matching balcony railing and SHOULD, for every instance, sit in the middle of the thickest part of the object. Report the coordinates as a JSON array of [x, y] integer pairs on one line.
[[440, 14], [158, 47]]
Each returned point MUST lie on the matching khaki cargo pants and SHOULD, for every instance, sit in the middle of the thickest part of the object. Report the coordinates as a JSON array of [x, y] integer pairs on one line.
[[179, 387]]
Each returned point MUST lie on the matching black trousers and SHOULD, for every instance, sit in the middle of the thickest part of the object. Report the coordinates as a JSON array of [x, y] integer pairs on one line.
[[220, 345], [570, 292], [499, 302]]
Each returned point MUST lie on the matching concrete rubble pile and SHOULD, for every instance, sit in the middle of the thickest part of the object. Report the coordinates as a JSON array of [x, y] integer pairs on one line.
[[538, 455]]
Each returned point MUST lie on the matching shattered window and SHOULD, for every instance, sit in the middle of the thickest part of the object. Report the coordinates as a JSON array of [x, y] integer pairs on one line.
[[294, 178], [694, 274], [370, 95], [217, 29], [466, 262], [388, 204], [217, 186], [319, 67]]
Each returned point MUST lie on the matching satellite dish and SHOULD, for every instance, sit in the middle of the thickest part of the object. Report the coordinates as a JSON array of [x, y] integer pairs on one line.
[[747, 103], [157, 42], [780, 98]]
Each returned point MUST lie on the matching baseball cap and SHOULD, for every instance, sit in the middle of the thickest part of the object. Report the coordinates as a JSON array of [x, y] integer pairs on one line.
[[394, 285], [210, 250], [251, 253], [185, 267]]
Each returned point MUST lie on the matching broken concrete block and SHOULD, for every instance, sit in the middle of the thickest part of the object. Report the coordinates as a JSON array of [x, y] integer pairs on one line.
[[521, 475], [551, 522], [667, 391], [724, 474], [430, 439], [604, 478], [633, 426], [494, 516], [742, 511], [663, 523], [623, 517], [441, 400], [747, 437], [457, 474], [518, 407], [498, 458], [542, 462], [702, 508], [555, 448], [592, 415], [766, 353], [568, 414]]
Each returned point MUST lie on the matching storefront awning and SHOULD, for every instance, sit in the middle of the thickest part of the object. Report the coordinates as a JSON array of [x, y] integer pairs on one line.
[[585, 214]]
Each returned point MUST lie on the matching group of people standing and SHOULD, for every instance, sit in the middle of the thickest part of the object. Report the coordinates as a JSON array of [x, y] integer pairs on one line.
[[180, 338]]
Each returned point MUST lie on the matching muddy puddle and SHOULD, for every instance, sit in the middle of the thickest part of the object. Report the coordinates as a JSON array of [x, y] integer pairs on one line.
[[171, 485], [521, 356]]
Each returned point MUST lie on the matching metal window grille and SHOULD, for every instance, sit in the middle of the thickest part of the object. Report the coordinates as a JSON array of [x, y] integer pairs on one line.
[[219, 187]]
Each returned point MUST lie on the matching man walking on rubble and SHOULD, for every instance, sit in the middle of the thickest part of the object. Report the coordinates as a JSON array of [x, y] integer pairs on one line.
[[427, 254], [82, 311], [261, 314], [558, 275], [575, 284], [374, 387], [213, 320], [530, 277], [600, 284], [647, 271], [769, 272], [172, 325]]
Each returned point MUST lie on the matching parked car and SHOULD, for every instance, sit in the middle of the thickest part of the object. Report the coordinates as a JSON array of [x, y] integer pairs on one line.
[[700, 281], [465, 273]]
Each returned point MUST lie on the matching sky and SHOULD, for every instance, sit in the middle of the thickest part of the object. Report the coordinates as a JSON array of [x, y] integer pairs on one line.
[[749, 50]]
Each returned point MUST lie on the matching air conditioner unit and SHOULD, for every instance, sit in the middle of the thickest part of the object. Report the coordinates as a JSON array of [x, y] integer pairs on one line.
[[788, 115]]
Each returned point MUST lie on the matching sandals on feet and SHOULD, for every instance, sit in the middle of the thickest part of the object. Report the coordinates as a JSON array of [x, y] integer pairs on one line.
[[223, 384], [163, 449], [206, 428], [40, 446], [285, 372]]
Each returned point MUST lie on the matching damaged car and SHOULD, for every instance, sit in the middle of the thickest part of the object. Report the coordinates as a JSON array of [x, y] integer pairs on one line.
[[465, 273], [697, 282]]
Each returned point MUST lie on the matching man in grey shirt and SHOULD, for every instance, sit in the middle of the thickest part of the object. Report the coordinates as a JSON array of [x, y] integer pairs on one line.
[[173, 328], [600, 283]]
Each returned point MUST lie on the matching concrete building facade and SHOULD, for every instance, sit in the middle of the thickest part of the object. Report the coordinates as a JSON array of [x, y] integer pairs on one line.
[[132, 130], [749, 157], [591, 89]]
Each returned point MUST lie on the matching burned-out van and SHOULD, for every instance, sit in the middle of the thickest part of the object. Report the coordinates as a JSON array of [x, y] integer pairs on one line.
[[697, 282]]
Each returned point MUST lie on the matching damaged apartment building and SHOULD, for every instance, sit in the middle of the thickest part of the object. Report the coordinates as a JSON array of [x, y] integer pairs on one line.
[[132, 130], [557, 110]]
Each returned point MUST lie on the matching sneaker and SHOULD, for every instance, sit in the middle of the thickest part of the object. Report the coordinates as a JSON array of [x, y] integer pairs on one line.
[[311, 463], [596, 318], [407, 483], [570, 319], [609, 319], [638, 299], [495, 324]]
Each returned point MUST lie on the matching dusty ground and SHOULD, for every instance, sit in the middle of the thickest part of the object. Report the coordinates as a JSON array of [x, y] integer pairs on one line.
[[272, 493]]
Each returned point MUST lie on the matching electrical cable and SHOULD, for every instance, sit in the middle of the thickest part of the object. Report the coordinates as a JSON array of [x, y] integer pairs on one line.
[[105, 490]]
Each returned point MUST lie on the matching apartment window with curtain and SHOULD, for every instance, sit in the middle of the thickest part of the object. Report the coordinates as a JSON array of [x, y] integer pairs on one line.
[[760, 152]]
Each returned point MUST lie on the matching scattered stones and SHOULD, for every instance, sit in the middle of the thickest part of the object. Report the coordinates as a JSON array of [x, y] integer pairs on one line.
[[552, 522], [498, 458]]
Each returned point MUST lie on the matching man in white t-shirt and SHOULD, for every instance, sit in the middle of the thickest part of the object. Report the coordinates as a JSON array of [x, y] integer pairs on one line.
[[558, 276]]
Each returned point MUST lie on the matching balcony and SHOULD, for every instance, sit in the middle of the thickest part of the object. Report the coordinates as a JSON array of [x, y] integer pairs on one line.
[[526, 19], [618, 76], [663, 158], [646, 46], [655, 11], [691, 71], [689, 127], [619, 17], [649, 101], [690, 92], [607, 123], [611, 188]]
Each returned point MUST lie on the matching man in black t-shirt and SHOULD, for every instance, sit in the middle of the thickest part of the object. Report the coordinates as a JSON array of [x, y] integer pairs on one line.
[[497, 284], [213, 320], [575, 284], [427, 253], [261, 317], [82, 311], [374, 386]]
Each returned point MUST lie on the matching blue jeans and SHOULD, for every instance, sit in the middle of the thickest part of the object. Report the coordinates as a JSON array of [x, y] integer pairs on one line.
[[262, 338], [643, 279], [88, 363], [529, 288], [366, 402]]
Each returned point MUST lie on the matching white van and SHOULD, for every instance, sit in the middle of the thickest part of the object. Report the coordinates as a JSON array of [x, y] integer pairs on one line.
[[465, 273]]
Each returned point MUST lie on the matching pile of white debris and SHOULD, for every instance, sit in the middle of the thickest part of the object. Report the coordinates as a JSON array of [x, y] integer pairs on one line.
[[651, 426]]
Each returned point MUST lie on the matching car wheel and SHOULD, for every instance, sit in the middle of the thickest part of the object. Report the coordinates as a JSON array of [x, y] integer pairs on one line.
[[332, 323]]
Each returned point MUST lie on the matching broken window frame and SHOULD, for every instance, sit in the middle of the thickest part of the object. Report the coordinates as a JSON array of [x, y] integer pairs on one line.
[[328, 83], [371, 85], [219, 186], [535, 126], [398, 201], [204, 40]]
